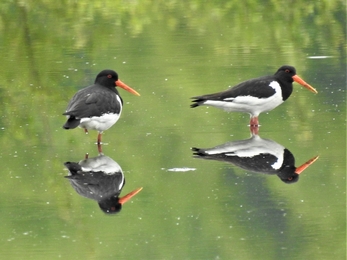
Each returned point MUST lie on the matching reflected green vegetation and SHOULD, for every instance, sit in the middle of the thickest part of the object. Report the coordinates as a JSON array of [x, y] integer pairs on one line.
[[170, 51]]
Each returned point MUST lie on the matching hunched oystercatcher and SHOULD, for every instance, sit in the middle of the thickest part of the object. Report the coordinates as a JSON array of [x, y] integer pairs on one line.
[[101, 179], [255, 96], [98, 106]]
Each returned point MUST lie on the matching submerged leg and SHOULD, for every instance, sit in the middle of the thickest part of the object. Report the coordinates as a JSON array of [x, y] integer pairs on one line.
[[99, 148], [254, 129]]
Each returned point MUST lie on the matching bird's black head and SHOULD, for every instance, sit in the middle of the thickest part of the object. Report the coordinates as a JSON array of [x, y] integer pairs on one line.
[[114, 204], [284, 76], [107, 78], [110, 205], [286, 72], [289, 179], [287, 172]]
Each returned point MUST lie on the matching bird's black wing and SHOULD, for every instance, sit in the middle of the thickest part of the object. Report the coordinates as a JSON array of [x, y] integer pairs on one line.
[[96, 185], [88, 102], [257, 87]]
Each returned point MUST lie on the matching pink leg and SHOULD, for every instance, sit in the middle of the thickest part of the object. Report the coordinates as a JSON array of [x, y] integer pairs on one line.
[[99, 138], [254, 125], [99, 142], [254, 121]]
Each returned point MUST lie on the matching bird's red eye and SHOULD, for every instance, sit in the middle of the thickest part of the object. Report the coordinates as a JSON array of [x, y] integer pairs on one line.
[[290, 178], [109, 76], [287, 70]]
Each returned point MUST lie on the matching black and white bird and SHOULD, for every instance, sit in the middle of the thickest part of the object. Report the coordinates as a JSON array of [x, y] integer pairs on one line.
[[257, 155], [98, 106], [100, 179], [255, 96]]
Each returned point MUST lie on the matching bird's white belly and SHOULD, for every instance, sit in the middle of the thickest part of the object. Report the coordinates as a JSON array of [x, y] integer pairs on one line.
[[101, 123]]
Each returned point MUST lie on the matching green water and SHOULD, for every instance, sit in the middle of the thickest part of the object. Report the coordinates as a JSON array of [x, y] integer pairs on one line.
[[170, 51]]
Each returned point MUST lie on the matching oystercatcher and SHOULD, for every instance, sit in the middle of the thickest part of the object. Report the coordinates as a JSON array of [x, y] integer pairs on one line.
[[101, 179], [98, 106], [255, 96], [257, 155]]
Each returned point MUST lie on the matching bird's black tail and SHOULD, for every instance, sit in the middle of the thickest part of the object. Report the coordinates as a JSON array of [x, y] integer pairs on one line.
[[196, 102], [194, 105], [197, 152]]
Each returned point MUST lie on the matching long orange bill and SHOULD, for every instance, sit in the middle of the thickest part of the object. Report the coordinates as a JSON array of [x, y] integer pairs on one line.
[[299, 80], [127, 197], [126, 87], [301, 168]]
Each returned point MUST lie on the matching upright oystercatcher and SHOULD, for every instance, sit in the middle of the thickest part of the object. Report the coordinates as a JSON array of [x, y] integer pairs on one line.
[[255, 96], [98, 106], [101, 179], [257, 154]]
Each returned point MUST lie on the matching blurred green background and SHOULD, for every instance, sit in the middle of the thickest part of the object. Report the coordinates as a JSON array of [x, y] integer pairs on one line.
[[169, 51]]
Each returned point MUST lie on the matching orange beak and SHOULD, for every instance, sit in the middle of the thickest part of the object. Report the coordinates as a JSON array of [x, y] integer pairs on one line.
[[126, 87], [127, 197], [301, 168], [299, 80]]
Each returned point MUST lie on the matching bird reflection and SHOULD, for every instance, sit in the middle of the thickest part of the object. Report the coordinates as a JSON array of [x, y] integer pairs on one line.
[[259, 155], [101, 179]]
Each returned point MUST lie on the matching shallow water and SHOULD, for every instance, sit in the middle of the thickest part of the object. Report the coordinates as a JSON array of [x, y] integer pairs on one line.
[[189, 208]]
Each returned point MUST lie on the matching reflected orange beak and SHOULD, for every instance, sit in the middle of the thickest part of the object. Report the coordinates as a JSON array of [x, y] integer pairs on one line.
[[126, 87], [127, 197], [299, 80], [301, 168]]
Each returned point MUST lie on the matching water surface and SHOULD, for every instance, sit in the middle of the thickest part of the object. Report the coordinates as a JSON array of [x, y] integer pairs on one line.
[[169, 51]]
